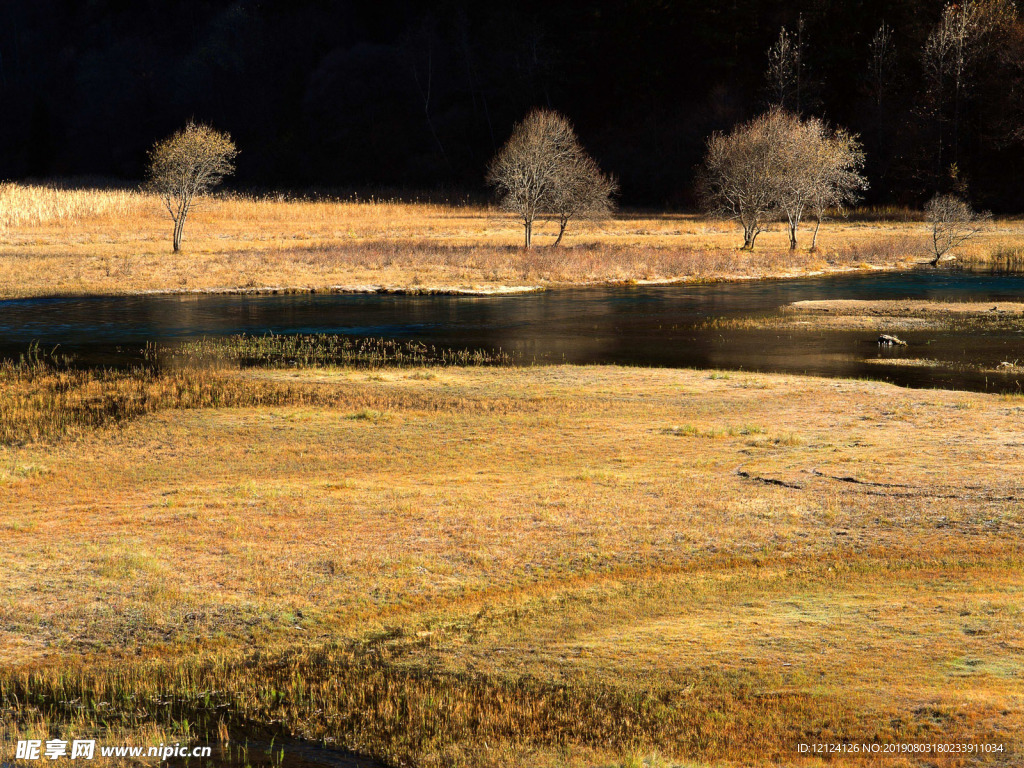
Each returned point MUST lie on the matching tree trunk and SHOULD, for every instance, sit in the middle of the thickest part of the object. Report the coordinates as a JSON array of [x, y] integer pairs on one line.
[[793, 223], [748, 238], [179, 225], [814, 235], [561, 230], [528, 233]]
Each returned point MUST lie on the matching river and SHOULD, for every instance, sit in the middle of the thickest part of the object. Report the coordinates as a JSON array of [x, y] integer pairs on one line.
[[625, 325]]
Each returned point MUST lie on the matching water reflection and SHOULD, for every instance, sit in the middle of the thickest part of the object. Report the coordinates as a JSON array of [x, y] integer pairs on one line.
[[654, 326]]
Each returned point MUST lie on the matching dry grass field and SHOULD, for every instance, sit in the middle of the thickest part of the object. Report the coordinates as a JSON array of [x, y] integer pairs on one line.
[[58, 241], [537, 566]]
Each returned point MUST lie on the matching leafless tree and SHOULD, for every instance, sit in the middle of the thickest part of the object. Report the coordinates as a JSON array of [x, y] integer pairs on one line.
[[882, 63], [819, 169], [953, 223], [780, 166], [838, 178], [741, 169], [582, 192], [188, 164], [954, 47], [796, 182], [786, 73], [783, 66], [543, 171]]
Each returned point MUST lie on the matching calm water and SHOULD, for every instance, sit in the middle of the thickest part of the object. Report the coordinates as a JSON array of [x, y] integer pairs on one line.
[[651, 326]]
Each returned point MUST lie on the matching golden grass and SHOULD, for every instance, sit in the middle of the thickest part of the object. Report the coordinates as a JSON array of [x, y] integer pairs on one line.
[[546, 566], [33, 205], [55, 241], [886, 315], [923, 307], [42, 399]]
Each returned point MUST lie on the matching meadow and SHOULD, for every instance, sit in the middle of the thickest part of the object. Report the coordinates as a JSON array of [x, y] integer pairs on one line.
[[439, 559], [438, 564], [56, 241]]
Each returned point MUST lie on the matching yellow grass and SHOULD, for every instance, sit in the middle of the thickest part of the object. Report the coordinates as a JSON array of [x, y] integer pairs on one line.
[[886, 316], [100, 241], [29, 206], [547, 566]]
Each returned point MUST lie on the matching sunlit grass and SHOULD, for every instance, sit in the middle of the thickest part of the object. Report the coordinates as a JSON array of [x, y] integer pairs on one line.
[[34, 205], [44, 398], [546, 566], [67, 241]]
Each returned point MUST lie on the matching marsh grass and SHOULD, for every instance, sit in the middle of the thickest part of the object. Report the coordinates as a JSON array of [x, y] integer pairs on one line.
[[32, 205], [43, 397], [305, 350], [1006, 258], [25, 721], [393, 697], [42, 403], [364, 699]]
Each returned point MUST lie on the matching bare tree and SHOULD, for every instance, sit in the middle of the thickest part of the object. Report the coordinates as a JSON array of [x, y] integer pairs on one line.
[[543, 171], [783, 71], [188, 164], [953, 49], [741, 169], [582, 192], [953, 223], [819, 169], [780, 166], [882, 64], [787, 70], [838, 179], [799, 149]]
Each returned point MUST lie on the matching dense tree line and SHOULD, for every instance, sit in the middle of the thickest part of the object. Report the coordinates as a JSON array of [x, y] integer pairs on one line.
[[411, 94]]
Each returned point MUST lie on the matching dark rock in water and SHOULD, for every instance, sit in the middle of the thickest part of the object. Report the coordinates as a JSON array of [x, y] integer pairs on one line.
[[886, 340]]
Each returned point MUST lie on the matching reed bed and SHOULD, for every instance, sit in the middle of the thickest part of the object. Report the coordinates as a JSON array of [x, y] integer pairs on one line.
[[46, 398], [32, 205], [42, 403], [363, 698], [303, 350], [1005, 258]]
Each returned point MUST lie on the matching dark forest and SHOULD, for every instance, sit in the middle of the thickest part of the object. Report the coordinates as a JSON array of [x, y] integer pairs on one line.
[[402, 95]]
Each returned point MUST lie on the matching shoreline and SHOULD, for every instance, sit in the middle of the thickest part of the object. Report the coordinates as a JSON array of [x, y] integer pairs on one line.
[[885, 316], [474, 291]]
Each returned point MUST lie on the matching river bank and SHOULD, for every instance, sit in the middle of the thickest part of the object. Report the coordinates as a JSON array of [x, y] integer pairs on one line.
[[410, 270]]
